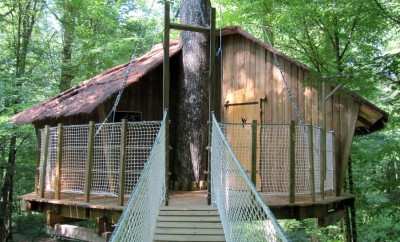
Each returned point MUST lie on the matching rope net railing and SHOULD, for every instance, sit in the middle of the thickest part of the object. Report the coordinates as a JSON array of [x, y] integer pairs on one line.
[[105, 172], [138, 221], [244, 215], [273, 150]]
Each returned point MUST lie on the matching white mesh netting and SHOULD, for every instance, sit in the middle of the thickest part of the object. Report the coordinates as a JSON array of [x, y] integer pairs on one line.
[[139, 218], [244, 215], [273, 156], [106, 156]]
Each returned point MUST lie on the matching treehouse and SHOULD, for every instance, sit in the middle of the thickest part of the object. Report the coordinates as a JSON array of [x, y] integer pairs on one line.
[[291, 132]]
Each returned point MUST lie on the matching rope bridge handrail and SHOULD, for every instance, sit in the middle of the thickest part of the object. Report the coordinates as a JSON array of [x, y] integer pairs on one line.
[[244, 215], [138, 221]]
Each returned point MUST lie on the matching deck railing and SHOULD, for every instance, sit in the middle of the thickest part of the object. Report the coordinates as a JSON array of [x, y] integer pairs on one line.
[[138, 221], [285, 159], [95, 159], [244, 215]]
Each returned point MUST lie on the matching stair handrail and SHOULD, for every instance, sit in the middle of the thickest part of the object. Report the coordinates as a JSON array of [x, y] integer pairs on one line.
[[139, 219], [235, 199]]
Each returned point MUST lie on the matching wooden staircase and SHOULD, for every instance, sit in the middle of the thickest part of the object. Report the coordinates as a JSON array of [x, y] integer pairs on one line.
[[189, 224]]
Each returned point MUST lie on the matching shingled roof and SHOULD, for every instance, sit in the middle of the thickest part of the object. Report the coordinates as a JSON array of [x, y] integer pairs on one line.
[[84, 98]]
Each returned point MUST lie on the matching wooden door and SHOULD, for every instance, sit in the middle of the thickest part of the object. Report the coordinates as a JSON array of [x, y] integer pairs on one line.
[[238, 118]]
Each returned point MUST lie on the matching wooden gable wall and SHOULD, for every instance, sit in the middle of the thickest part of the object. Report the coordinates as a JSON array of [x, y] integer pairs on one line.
[[249, 75]]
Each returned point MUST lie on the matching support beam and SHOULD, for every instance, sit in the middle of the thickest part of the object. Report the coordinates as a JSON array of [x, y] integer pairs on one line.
[[166, 91], [189, 27], [43, 165], [57, 178], [89, 161], [122, 162], [211, 98]]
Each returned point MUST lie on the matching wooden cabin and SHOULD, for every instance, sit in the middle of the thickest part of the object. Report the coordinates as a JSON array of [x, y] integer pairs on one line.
[[251, 95]]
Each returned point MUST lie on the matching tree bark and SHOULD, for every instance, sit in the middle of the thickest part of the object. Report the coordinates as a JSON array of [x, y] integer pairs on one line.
[[24, 16], [7, 194], [191, 132], [68, 25]]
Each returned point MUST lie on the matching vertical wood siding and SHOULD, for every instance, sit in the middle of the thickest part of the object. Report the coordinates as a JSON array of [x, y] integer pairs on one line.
[[249, 74]]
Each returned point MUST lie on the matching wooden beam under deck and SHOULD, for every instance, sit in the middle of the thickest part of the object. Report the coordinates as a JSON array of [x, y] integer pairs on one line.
[[304, 207], [73, 206]]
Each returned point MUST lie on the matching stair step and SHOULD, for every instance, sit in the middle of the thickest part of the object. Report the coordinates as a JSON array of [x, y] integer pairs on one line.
[[189, 219], [169, 208], [193, 231], [188, 213], [186, 238], [203, 225]]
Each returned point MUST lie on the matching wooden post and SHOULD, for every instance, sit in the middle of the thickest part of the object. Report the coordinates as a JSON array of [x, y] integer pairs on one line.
[[292, 162], [44, 163], [211, 98], [254, 152], [89, 161], [310, 136], [166, 73], [122, 162], [323, 145], [166, 89], [57, 178]]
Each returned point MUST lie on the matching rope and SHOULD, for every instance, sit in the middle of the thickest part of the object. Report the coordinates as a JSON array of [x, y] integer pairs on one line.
[[287, 87], [124, 83]]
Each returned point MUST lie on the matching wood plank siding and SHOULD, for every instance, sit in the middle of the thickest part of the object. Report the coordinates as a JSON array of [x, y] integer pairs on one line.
[[250, 74]]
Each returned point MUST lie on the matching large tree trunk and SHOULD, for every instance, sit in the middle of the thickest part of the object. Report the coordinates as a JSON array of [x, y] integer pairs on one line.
[[191, 127], [68, 25]]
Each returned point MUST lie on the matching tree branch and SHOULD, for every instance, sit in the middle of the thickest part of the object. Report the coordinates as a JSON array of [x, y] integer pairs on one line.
[[386, 13]]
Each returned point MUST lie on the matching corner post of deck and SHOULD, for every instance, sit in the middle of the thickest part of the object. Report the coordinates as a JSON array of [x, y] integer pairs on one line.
[[254, 152], [292, 162], [310, 137], [166, 89], [89, 161], [57, 178], [122, 162], [43, 164]]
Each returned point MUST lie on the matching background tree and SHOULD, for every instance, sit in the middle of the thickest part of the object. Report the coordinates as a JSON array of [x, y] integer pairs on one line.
[[23, 15]]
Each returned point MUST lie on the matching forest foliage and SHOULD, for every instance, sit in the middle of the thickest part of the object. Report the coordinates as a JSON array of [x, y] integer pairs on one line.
[[46, 46]]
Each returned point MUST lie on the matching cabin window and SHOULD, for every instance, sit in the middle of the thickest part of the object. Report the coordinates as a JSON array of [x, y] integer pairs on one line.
[[131, 116]]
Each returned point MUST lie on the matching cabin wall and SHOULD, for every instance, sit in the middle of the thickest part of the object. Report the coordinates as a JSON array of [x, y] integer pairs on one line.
[[254, 83]]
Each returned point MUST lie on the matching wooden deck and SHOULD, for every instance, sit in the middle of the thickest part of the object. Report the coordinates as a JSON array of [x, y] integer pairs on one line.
[[74, 206], [326, 210]]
